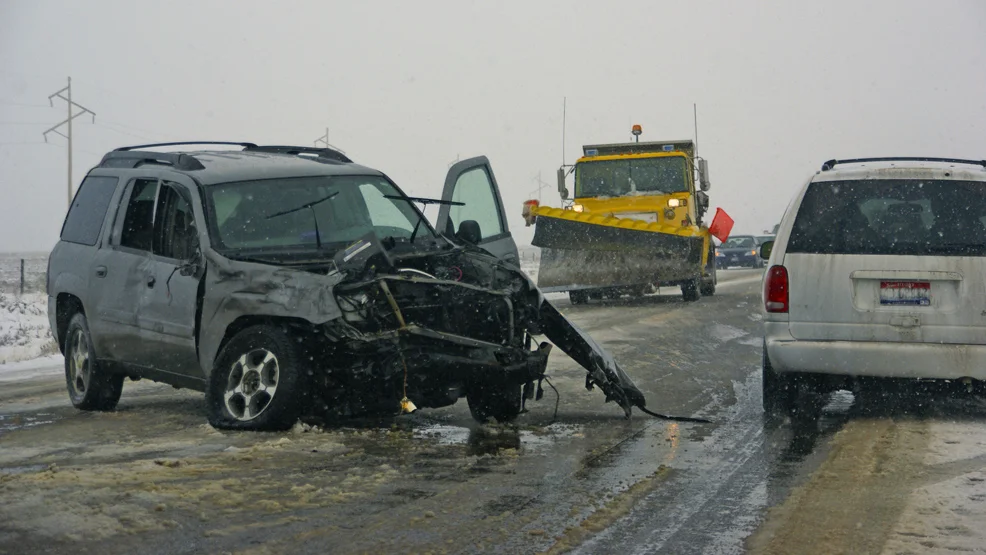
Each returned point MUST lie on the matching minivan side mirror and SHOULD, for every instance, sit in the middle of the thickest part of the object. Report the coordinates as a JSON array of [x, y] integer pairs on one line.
[[765, 248], [562, 190]]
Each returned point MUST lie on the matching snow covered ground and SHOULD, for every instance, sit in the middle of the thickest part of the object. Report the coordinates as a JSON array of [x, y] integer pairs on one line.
[[24, 330]]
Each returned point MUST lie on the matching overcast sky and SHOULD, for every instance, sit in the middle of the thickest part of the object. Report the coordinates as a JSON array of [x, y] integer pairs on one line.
[[407, 87]]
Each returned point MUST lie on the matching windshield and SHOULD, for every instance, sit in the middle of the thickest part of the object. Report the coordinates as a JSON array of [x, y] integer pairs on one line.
[[739, 242], [250, 215], [903, 217], [614, 178]]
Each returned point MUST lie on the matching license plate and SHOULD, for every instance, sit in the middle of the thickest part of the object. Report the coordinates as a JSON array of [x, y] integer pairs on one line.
[[905, 293], [735, 258]]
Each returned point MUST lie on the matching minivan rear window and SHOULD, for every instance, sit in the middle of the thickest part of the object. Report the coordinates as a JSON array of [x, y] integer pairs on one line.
[[895, 217], [85, 219]]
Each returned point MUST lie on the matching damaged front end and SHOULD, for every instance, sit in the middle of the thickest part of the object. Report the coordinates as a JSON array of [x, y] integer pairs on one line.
[[452, 322], [422, 326]]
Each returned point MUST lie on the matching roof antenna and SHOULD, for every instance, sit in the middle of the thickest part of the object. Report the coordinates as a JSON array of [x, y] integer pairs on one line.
[[695, 112], [564, 102]]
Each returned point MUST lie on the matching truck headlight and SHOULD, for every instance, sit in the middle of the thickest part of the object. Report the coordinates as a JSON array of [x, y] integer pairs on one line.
[[674, 203], [578, 207]]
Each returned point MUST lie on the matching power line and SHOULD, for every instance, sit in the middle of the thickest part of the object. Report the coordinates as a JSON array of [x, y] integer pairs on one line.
[[120, 131], [68, 123], [22, 104]]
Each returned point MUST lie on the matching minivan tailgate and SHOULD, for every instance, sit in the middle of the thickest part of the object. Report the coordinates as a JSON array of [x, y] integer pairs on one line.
[[871, 298]]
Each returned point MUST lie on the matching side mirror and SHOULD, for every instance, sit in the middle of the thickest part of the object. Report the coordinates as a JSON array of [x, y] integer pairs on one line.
[[703, 174], [470, 232], [765, 249], [562, 190], [193, 265]]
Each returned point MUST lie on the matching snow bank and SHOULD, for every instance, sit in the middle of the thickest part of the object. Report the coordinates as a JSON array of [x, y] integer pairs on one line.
[[51, 365], [946, 514], [24, 330]]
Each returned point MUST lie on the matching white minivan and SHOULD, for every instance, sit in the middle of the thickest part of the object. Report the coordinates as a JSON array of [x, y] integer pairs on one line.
[[878, 270]]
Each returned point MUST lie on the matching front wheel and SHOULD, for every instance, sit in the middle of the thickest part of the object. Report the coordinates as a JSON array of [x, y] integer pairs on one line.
[[90, 385], [490, 399], [260, 382]]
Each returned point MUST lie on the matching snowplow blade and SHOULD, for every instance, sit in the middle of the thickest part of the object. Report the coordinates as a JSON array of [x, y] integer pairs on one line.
[[585, 251]]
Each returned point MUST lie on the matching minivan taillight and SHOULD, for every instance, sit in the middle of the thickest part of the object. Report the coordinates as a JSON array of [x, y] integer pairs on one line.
[[775, 290]]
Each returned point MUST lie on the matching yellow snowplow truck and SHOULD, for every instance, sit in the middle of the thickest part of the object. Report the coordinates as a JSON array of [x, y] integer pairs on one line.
[[633, 224]]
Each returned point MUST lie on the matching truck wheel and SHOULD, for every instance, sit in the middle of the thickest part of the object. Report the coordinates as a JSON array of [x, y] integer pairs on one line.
[[709, 282], [691, 290], [578, 297], [497, 400], [90, 385], [260, 382]]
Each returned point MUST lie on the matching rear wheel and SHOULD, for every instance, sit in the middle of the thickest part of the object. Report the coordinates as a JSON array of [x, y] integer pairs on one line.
[[779, 395], [260, 382], [90, 386], [578, 297], [691, 290], [492, 399]]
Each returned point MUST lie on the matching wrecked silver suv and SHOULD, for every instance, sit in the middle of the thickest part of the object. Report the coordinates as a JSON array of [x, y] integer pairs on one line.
[[289, 281]]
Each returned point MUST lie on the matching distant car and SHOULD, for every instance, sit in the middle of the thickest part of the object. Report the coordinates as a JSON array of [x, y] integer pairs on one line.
[[761, 239], [878, 271], [283, 280], [739, 250]]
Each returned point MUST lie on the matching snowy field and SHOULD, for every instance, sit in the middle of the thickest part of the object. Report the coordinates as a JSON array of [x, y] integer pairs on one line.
[[24, 329]]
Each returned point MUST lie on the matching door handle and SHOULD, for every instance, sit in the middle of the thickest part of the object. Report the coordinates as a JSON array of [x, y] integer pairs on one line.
[[151, 280], [101, 271]]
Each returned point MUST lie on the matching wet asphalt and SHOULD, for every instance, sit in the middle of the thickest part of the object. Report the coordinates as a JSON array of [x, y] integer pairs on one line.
[[583, 479]]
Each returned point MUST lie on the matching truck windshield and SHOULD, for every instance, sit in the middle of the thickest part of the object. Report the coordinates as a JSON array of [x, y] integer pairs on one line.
[[241, 214], [616, 178]]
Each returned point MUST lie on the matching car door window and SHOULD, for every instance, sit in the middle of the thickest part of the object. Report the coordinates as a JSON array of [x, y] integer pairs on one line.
[[475, 189], [138, 221], [174, 224]]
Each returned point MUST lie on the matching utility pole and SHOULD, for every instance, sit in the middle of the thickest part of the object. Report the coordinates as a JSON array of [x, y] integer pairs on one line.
[[540, 183], [67, 97], [324, 139]]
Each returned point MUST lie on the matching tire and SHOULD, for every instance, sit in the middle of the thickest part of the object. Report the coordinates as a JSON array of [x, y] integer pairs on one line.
[[709, 282], [691, 290], [90, 385], [499, 401], [260, 382], [578, 297], [779, 395]]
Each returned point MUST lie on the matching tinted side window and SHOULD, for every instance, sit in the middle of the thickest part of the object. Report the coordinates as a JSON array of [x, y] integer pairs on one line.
[[174, 224], [85, 219], [475, 189], [896, 217], [138, 223]]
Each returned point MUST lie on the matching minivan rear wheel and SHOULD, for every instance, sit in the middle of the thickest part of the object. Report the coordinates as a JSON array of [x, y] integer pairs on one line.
[[779, 394], [260, 382], [90, 385]]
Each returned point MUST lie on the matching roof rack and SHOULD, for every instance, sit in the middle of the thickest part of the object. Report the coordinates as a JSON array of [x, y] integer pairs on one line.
[[329, 153], [132, 159], [136, 155], [182, 143], [832, 163]]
